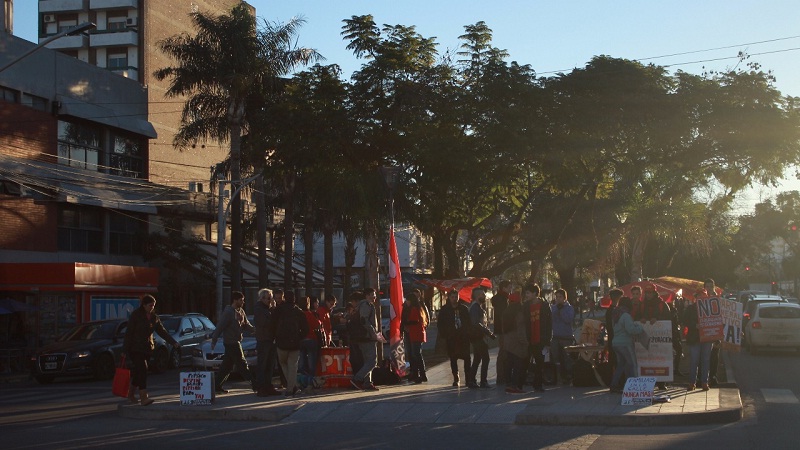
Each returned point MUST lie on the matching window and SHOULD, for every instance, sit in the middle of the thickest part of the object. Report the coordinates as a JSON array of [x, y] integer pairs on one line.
[[116, 23], [125, 234], [8, 95], [65, 23], [117, 60], [34, 102], [126, 156], [78, 145], [80, 229]]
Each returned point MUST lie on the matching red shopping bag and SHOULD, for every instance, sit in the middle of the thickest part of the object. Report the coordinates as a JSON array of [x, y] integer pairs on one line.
[[122, 380]]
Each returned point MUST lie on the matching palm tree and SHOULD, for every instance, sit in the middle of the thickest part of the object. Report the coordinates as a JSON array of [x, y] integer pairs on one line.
[[218, 69]]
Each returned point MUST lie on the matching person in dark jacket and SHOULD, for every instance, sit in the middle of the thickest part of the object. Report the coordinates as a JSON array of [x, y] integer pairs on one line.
[[499, 304], [290, 328], [230, 326], [699, 352], [539, 330], [614, 294], [478, 335], [454, 325], [265, 343], [139, 345]]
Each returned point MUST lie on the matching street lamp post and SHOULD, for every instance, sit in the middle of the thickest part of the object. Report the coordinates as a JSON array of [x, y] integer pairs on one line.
[[68, 32]]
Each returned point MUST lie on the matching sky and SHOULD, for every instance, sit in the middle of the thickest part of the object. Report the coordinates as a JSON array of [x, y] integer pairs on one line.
[[555, 36]]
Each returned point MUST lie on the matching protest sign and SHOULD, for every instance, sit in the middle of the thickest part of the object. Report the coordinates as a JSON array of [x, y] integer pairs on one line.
[[656, 361], [197, 388], [731, 324], [709, 319], [638, 391]]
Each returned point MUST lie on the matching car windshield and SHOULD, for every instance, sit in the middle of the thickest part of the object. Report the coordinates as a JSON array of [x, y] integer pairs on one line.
[[171, 323], [780, 312], [103, 330]]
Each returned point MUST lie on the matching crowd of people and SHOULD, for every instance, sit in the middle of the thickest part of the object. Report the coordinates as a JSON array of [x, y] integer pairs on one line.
[[290, 332]]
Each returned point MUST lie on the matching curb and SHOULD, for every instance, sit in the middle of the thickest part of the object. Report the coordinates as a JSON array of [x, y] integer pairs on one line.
[[173, 411], [730, 410]]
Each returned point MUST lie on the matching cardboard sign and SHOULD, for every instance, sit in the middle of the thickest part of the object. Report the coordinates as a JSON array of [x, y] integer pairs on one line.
[[638, 391], [731, 324], [656, 361], [709, 319], [197, 388]]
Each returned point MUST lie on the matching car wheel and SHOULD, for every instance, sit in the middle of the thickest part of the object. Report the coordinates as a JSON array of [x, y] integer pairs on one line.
[[45, 379], [161, 360], [104, 368], [174, 359]]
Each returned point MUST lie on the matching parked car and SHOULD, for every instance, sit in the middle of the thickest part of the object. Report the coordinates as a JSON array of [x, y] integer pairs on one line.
[[773, 325], [189, 330], [750, 303], [207, 358], [89, 349], [794, 300]]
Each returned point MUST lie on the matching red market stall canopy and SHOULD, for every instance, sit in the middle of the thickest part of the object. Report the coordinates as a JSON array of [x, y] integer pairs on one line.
[[464, 286], [668, 288]]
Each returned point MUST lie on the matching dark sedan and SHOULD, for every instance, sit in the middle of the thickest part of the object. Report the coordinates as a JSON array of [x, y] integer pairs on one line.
[[189, 330], [89, 349]]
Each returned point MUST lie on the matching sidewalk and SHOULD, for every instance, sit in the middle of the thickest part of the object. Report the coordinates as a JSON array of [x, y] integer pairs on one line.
[[438, 402]]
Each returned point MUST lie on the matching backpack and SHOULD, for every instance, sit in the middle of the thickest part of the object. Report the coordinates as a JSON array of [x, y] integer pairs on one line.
[[287, 332]]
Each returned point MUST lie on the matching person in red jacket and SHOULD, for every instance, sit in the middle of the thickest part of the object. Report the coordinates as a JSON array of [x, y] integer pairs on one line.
[[309, 346], [324, 314], [416, 323]]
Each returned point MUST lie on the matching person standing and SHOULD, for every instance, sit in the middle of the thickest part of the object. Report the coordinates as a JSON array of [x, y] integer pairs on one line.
[[290, 328], [324, 313], [415, 325], [711, 290], [699, 352], [478, 335], [309, 346], [539, 331], [231, 325], [354, 331], [138, 345], [454, 325], [653, 308], [614, 294], [265, 343], [625, 329], [499, 305], [367, 346], [515, 345], [563, 334]]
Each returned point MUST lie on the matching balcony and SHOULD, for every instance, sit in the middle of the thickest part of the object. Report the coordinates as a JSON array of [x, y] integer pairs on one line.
[[60, 6], [68, 42], [127, 72], [126, 38], [113, 4]]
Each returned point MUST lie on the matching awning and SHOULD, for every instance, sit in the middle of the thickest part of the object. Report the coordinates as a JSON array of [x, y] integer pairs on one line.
[[76, 277], [73, 107]]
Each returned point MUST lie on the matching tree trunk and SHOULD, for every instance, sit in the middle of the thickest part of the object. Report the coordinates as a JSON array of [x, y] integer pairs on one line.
[[308, 247], [236, 202], [637, 258], [327, 231], [261, 223], [349, 260], [371, 255], [288, 233]]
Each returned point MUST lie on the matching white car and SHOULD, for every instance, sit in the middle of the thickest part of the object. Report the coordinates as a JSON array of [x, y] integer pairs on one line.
[[773, 325]]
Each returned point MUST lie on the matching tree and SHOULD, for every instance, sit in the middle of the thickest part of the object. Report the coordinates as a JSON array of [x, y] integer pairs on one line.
[[218, 69]]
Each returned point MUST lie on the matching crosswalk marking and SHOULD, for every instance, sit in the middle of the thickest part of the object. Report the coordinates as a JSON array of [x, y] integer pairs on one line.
[[779, 396]]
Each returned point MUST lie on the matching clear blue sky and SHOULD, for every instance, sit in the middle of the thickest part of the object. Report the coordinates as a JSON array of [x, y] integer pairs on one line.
[[555, 35]]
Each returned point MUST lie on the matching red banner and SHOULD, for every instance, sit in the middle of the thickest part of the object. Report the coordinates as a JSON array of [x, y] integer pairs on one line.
[[395, 290]]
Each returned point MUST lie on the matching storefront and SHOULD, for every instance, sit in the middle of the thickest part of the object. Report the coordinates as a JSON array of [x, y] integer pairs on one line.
[[52, 297]]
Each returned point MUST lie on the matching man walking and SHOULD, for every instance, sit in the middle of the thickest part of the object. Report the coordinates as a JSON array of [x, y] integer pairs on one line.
[[367, 346], [230, 327]]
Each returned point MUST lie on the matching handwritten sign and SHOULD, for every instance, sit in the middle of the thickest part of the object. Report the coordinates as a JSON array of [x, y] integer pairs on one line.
[[731, 324], [638, 391], [709, 319], [197, 388]]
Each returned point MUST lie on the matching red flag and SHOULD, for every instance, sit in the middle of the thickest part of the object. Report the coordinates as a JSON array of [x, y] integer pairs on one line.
[[395, 290]]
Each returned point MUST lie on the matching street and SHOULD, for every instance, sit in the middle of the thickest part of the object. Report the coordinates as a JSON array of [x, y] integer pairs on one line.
[[83, 414]]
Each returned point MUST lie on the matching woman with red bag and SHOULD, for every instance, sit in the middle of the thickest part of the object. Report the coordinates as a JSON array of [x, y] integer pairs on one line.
[[139, 345]]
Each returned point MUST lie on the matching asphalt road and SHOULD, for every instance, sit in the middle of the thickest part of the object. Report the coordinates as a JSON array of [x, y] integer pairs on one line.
[[82, 414]]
